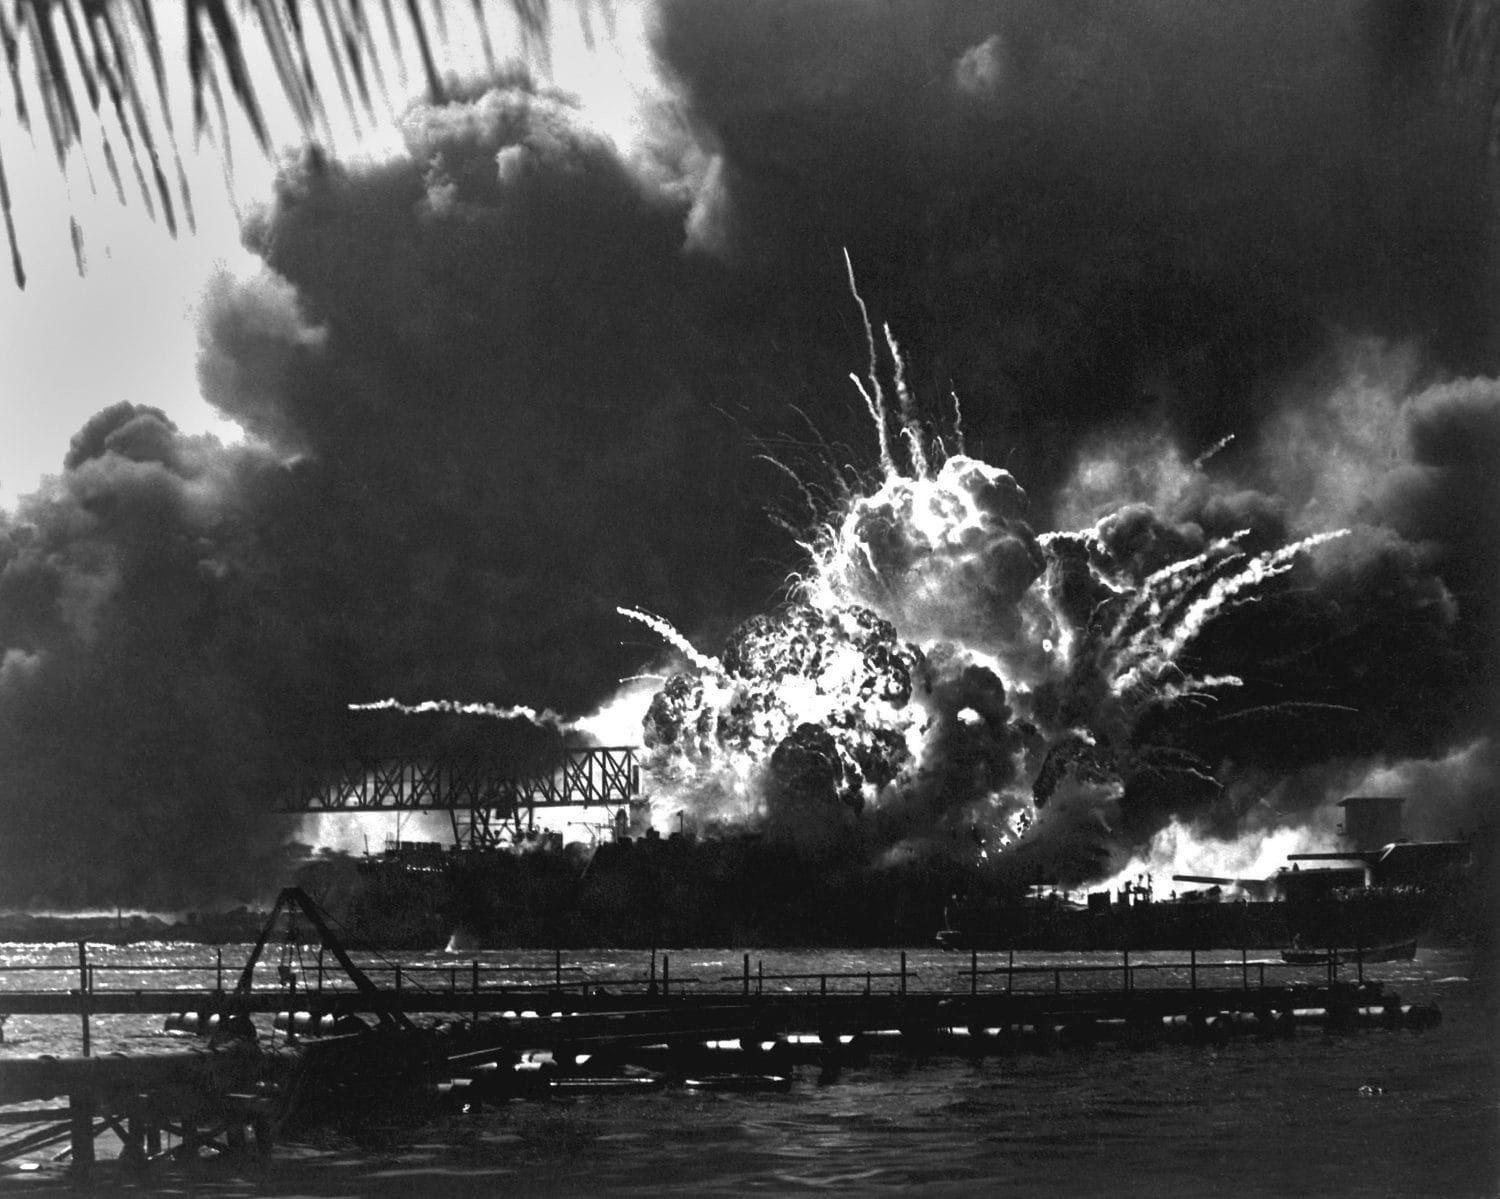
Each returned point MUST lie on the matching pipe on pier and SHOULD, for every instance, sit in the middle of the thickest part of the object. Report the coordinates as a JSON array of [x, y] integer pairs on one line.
[[48, 1076], [311, 1024]]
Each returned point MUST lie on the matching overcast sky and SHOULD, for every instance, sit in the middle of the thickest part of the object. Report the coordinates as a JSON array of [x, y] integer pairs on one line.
[[127, 328]]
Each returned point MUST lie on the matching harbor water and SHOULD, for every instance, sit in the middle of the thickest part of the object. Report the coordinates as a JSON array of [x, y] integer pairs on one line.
[[1374, 1113]]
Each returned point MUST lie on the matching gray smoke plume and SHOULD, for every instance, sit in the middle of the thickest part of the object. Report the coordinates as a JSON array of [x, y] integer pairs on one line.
[[512, 379]]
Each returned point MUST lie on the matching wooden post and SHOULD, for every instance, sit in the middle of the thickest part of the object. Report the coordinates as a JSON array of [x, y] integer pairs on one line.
[[666, 974], [153, 1137], [1126, 953], [903, 972], [1245, 967], [823, 985], [973, 972], [557, 969], [474, 987], [760, 976], [133, 1147], [747, 976], [83, 1008], [260, 1132], [81, 1120], [1010, 970], [1193, 969], [219, 970]]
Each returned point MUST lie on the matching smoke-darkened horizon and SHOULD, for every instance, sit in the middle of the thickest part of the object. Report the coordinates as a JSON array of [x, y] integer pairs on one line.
[[518, 377]]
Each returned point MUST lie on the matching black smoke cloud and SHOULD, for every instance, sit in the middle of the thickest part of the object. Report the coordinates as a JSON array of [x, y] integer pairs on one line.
[[511, 379], [1372, 663], [1077, 215], [479, 417], [139, 656]]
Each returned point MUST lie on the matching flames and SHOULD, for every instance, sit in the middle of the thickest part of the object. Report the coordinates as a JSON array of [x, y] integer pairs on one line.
[[941, 679]]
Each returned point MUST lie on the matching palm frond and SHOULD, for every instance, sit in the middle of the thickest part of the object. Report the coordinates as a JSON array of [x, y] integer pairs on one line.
[[88, 53]]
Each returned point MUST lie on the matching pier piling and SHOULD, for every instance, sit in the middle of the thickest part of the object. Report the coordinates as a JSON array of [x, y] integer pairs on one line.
[[83, 993], [81, 1128]]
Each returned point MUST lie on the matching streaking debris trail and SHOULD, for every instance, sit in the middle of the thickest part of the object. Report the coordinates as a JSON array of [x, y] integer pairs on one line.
[[457, 708]]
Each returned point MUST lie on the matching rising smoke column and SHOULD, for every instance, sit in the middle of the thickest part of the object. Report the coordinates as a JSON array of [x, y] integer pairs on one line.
[[1081, 217], [1121, 232], [470, 379], [518, 376], [134, 672]]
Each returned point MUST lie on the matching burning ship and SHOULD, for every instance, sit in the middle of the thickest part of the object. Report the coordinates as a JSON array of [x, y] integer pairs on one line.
[[1377, 896], [744, 889], [948, 702]]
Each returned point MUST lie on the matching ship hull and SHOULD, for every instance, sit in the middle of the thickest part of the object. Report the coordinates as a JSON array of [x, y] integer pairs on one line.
[[1322, 925]]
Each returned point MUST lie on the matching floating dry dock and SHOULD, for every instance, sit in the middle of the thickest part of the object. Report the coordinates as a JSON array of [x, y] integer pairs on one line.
[[339, 1042]]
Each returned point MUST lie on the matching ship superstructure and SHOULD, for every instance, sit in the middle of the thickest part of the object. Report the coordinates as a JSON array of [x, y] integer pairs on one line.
[[1377, 890]]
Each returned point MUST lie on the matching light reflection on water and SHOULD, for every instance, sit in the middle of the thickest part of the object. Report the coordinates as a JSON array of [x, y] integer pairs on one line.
[[1250, 1118]]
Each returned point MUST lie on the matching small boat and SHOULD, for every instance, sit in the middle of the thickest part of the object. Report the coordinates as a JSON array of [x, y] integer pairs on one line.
[[1397, 951]]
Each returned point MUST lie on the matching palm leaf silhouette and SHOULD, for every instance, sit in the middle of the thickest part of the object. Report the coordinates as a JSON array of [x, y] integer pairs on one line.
[[96, 47], [102, 62]]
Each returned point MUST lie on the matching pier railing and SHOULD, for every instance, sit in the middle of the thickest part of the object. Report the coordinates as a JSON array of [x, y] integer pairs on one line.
[[112, 985], [1244, 972]]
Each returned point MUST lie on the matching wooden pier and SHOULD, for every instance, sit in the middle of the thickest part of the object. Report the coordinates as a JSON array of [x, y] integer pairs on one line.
[[278, 1058]]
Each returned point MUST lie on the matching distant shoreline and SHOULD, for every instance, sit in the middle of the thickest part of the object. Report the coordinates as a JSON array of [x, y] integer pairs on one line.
[[224, 928]]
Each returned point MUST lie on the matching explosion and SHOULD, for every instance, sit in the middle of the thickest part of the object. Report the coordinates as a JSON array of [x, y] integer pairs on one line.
[[943, 680]]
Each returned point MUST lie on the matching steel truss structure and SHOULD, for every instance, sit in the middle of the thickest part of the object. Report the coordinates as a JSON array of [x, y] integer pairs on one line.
[[488, 804]]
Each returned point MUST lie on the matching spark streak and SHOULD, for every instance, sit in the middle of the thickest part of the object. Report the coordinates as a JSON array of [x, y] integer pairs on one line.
[[458, 708], [874, 398], [664, 629]]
